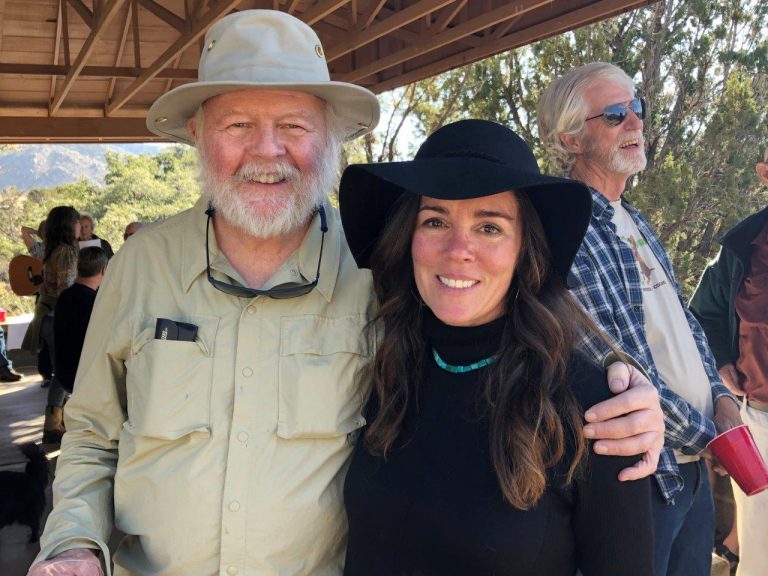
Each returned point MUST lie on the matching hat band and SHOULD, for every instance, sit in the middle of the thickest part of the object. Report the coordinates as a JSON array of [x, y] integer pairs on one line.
[[266, 75], [466, 153]]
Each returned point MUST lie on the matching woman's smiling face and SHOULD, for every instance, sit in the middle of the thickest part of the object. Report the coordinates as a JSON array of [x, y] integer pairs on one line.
[[464, 256]]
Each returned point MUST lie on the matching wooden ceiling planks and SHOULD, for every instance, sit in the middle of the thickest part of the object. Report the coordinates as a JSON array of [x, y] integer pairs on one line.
[[108, 60]]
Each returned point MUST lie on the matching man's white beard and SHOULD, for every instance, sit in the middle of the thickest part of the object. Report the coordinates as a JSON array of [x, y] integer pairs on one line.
[[622, 164], [628, 164], [616, 161], [271, 214]]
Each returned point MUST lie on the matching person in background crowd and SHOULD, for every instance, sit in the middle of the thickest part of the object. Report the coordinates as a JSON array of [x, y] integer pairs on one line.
[[473, 461], [30, 238], [62, 227], [7, 373], [73, 312], [731, 302], [36, 248], [87, 233], [131, 229], [236, 361], [591, 122]]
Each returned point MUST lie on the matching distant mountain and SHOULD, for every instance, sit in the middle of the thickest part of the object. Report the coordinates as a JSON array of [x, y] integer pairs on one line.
[[31, 166]]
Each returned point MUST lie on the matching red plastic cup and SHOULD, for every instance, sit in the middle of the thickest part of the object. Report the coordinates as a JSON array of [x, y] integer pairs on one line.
[[735, 449], [2, 315]]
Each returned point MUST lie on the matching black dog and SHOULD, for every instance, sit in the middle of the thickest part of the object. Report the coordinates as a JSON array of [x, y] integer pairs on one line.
[[22, 494]]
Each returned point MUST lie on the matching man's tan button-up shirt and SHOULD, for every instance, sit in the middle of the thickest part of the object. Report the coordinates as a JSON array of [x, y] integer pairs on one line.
[[226, 454]]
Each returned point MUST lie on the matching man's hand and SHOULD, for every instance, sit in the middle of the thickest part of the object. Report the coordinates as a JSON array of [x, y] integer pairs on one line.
[[629, 423], [76, 562], [727, 414], [730, 378]]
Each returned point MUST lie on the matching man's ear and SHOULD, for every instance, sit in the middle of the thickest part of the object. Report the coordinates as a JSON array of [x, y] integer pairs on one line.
[[762, 172], [192, 128], [572, 142]]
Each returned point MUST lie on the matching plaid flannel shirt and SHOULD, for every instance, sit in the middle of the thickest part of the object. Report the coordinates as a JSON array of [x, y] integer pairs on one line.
[[606, 281]]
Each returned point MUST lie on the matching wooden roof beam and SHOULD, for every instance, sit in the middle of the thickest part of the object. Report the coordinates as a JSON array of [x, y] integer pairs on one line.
[[321, 10], [41, 111], [56, 47], [164, 14], [448, 15], [93, 71], [551, 27], [129, 9], [84, 12], [373, 11], [444, 38], [2, 18], [65, 36], [43, 130], [399, 19], [197, 29], [100, 27]]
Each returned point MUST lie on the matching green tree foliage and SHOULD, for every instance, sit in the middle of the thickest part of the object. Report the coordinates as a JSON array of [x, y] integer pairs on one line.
[[147, 188], [703, 67]]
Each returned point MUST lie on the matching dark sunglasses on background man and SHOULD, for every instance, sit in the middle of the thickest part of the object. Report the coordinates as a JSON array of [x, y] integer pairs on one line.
[[615, 114]]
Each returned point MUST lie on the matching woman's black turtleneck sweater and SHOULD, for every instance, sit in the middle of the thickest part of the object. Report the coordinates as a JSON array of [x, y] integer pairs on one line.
[[434, 507]]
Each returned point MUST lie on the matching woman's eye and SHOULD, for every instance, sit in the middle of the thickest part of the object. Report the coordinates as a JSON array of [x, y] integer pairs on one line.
[[433, 223], [490, 229]]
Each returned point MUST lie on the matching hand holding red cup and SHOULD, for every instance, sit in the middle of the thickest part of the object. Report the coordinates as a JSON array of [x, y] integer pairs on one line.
[[736, 451]]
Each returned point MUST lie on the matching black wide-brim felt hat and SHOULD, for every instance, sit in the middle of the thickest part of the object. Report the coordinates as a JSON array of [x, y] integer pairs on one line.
[[465, 159]]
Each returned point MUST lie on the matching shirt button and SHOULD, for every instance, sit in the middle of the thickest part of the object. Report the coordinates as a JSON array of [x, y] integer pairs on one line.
[[251, 310], [232, 570], [234, 506], [243, 437], [247, 372]]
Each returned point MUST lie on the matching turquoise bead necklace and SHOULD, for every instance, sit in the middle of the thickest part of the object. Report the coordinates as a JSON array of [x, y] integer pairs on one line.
[[461, 369]]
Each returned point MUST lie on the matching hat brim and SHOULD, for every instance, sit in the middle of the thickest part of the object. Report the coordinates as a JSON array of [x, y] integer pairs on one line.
[[356, 107], [368, 192]]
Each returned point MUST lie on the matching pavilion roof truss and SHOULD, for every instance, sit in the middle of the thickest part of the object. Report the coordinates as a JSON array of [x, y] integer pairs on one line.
[[132, 51]]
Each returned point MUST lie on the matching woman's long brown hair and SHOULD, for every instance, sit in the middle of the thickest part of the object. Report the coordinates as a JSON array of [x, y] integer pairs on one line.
[[525, 386]]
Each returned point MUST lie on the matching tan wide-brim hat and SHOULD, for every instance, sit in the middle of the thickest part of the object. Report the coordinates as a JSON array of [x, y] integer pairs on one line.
[[264, 50]]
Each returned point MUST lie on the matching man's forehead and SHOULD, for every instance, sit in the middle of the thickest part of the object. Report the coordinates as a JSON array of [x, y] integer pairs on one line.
[[264, 99], [605, 92]]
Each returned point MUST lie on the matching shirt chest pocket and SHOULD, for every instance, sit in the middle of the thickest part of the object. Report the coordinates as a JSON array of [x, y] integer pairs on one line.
[[320, 395], [168, 384]]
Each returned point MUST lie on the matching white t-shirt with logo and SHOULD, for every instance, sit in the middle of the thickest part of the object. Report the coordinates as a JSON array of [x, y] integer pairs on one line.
[[667, 331]]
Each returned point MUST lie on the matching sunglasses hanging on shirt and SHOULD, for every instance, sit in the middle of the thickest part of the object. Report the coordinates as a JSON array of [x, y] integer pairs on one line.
[[615, 114], [279, 292]]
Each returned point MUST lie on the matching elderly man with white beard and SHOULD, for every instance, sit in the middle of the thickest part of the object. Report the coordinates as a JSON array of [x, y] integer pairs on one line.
[[217, 402], [591, 122]]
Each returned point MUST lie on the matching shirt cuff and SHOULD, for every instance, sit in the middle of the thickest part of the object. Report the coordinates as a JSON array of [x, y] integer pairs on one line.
[[80, 542]]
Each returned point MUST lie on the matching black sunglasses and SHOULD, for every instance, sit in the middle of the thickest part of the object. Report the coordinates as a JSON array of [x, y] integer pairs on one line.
[[615, 114], [278, 293]]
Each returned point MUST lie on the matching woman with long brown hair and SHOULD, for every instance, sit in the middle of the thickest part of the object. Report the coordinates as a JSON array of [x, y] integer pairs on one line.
[[62, 228], [473, 461]]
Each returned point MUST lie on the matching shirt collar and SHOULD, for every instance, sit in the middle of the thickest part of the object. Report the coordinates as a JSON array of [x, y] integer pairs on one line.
[[601, 206], [305, 258]]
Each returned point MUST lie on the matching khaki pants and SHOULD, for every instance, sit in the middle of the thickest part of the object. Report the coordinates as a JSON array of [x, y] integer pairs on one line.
[[752, 511]]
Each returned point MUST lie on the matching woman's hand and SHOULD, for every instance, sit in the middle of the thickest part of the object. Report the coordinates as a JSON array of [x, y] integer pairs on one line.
[[629, 423]]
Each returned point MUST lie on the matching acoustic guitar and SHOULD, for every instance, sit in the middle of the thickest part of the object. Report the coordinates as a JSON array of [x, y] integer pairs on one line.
[[25, 274]]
